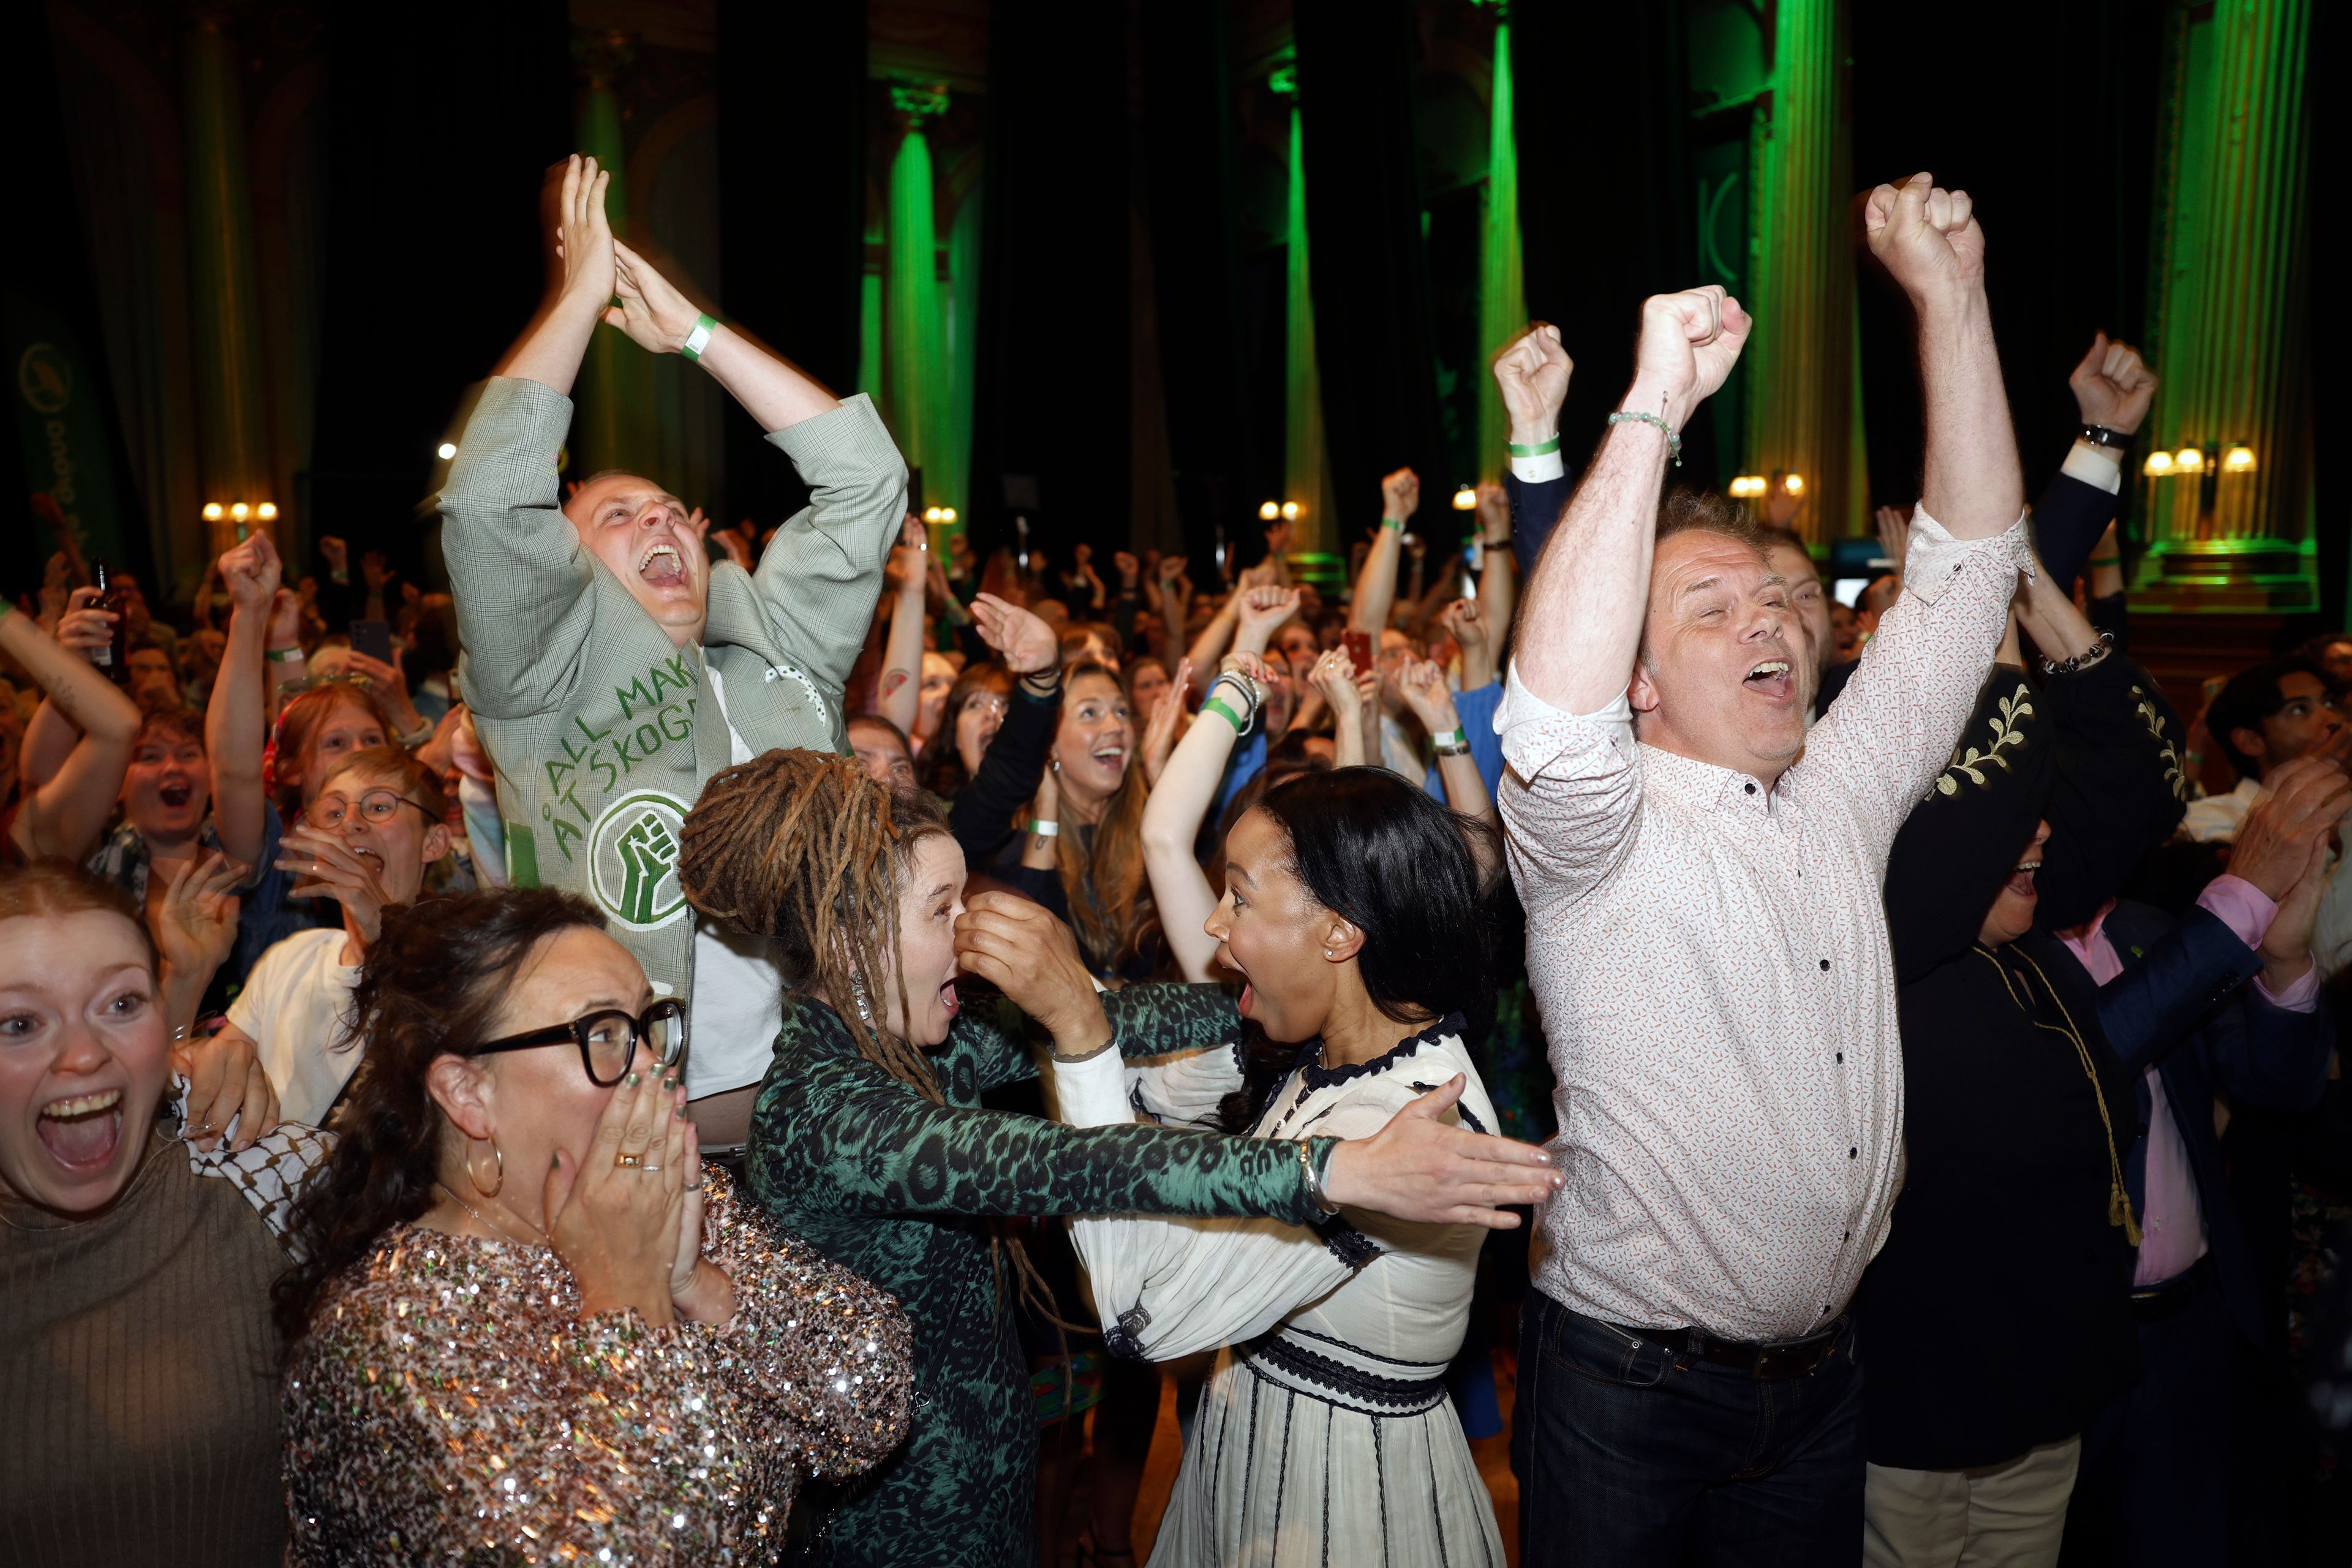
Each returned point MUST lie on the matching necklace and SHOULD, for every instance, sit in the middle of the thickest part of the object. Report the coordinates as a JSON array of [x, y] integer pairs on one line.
[[485, 1221], [2119, 1209]]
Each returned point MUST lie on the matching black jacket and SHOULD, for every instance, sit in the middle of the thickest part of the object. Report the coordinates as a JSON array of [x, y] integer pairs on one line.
[[1998, 1315]]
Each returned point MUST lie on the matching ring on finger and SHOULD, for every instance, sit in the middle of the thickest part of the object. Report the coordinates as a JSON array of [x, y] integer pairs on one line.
[[648, 1170], [628, 1161]]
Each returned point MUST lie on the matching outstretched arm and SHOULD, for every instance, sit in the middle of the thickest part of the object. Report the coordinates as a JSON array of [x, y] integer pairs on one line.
[[235, 719], [1181, 796], [63, 815], [661, 320], [1376, 583], [580, 283], [1590, 590], [900, 694]]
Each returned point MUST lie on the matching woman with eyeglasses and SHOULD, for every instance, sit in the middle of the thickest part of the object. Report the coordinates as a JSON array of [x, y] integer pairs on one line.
[[364, 841], [526, 1323]]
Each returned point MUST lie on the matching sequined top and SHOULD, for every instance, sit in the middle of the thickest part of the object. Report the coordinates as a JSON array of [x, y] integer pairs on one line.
[[450, 1404]]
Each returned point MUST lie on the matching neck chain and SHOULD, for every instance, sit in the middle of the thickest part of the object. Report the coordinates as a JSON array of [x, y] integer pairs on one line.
[[485, 1221], [2119, 1209]]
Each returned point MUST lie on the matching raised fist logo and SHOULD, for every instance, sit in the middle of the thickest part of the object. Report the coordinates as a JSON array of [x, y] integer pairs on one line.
[[648, 850], [633, 859]]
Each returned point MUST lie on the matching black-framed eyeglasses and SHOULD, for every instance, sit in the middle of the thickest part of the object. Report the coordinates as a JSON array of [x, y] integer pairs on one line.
[[608, 1039], [377, 806]]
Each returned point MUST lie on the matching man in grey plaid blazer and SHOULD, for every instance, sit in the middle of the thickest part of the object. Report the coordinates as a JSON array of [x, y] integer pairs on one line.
[[610, 666]]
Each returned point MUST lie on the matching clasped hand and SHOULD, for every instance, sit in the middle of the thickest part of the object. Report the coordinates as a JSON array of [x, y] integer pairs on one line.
[[1020, 948]]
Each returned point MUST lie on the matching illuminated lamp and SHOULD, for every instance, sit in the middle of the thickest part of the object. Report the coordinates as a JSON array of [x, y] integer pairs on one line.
[[2156, 465], [1794, 484], [1466, 499], [239, 510], [213, 512], [947, 514], [1268, 511], [2189, 460], [1290, 510], [267, 511], [1747, 485], [2238, 460], [446, 450]]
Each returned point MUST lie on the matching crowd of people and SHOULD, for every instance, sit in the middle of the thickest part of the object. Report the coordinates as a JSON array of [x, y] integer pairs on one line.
[[735, 1043]]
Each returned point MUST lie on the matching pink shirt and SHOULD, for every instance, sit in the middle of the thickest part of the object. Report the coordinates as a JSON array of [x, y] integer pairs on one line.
[[2172, 1226]]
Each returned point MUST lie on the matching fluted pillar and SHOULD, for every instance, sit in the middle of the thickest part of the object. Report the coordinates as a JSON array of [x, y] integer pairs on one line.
[[1314, 539], [1502, 286], [614, 427], [1800, 397], [232, 422], [2234, 532], [919, 379]]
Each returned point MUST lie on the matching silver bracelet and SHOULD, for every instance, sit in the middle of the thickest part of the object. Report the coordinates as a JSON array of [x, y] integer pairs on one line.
[[2081, 661], [1307, 1173]]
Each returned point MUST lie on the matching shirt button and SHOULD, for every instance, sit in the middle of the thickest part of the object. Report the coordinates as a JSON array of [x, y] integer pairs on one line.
[[1841, 1056], [1825, 966], [1851, 1153], [1751, 789], [1849, 1235]]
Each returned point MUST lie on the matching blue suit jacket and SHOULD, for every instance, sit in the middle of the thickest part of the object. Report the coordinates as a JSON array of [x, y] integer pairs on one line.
[[2183, 1005]]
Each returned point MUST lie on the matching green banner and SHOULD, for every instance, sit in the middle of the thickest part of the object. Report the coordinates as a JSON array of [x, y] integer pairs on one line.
[[62, 433]]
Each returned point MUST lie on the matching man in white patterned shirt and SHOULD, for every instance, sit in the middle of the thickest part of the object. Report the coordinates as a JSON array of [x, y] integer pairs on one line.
[[1707, 942]]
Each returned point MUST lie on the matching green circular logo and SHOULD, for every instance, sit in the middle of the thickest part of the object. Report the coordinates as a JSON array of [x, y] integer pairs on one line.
[[45, 378], [633, 859]]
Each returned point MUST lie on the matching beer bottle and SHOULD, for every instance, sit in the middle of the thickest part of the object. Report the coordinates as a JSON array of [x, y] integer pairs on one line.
[[115, 656]]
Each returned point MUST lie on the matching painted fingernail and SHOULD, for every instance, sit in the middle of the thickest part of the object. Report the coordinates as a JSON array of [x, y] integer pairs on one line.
[[670, 1082], [633, 1080]]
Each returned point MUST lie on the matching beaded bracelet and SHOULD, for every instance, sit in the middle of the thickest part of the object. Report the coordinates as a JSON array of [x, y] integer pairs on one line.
[[2081, 661], [699, 339], [1673, 442]]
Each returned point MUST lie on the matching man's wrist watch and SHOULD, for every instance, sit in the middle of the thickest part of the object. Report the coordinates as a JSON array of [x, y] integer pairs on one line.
[[2104, 436]]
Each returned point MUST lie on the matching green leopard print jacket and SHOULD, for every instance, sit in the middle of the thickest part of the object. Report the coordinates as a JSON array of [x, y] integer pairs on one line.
[[879, 1180]]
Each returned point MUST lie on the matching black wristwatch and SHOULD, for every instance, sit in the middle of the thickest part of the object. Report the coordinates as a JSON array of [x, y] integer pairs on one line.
[[2100, 436]]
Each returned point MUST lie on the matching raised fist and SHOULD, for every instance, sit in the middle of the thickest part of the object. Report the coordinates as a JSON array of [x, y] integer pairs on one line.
[[1688, 345], [1532, 375], [1400, 494], [1925, 236], [2113, 386]]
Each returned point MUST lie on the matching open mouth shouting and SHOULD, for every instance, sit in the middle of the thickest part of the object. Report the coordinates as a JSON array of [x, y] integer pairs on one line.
[[661, 566], [2020, 881], [176, 795], [81, 1133], [1770, 678]]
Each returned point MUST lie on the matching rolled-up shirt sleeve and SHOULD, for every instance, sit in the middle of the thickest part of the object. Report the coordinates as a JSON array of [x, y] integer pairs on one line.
[[1571, 791], [1892, 730]]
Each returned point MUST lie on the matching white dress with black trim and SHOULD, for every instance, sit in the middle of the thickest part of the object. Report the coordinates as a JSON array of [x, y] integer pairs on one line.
[[1325, 1435]]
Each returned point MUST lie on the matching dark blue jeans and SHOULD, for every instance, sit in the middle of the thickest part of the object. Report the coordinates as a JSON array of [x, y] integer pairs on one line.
[[1628, 1457]]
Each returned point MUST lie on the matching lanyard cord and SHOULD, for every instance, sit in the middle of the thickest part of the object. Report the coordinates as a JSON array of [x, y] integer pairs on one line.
[[2119, 1209]]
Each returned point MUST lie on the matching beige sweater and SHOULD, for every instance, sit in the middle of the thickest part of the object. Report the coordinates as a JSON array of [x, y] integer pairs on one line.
[[139, 1378]]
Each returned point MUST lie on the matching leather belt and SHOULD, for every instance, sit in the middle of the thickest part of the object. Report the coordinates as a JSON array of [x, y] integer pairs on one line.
[[1766, 1361], [2171, 1298]]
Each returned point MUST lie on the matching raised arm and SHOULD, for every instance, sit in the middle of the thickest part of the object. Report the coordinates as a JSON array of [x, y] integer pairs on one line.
[[1181, 798], [1376, 581], [236, 722], [1532, 373], [1590, 591], [580, 279], [1423, 685], [1498, 578], [901, 689], [63, 813]]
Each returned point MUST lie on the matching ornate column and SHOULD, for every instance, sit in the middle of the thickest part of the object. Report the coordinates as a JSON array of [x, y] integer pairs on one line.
[[918, 380], [613, 425], [1502, 288], [1799, 374], [2228, 481], [232, 421], [1315, 542]]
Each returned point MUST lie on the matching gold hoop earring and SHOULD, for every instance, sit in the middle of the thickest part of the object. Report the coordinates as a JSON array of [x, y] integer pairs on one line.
[[491, 1191]]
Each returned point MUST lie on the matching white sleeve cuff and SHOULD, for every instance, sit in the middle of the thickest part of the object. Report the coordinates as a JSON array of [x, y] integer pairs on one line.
[[1093, 1093], [1934, 557], [2093, 465], [1538, 471]]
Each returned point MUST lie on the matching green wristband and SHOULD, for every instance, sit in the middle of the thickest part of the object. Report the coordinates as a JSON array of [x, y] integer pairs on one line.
[[283, 654], [1217, 705], [1391, 522], [699, 339], [1540, 449]]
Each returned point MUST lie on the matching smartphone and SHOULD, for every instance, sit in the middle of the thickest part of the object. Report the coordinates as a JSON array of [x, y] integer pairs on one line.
[[1360, 649], [372, 638]]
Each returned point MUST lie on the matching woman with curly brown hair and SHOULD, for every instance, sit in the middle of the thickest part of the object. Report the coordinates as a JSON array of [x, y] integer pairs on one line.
[[867, 1138], [527, 1321]]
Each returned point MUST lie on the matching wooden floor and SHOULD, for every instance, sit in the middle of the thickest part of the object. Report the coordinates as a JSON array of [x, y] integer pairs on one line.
[[1492, 1454]]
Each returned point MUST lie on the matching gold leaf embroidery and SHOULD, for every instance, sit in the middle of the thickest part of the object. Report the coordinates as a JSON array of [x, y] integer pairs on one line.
[[2005, 733], [2173, 772]]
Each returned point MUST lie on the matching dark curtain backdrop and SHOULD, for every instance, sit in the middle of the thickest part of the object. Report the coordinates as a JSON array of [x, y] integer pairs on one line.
[[50, 261], [792, 214], [1188, 128], [2331, 329], [2055, 142], [1052, 395], [1372, 344], [439, 132], [1607, 199]]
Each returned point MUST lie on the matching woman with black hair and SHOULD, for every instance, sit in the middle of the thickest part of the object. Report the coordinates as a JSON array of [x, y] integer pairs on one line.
[[1353, 910]]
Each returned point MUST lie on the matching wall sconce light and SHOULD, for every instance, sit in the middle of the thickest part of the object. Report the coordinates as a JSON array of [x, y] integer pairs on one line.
[[2189, 460], [1794, 484], [931, 514], [1747, 485], [213, 512], [239, 510], [1268, 511], [2156, 465], [1466, 499], [2238, 460], [1290, 510], [267, 511], [947, 514], [446, 450]]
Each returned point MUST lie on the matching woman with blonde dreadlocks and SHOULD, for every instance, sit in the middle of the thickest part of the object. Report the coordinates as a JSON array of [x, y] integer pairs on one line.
[[867, 1140]]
